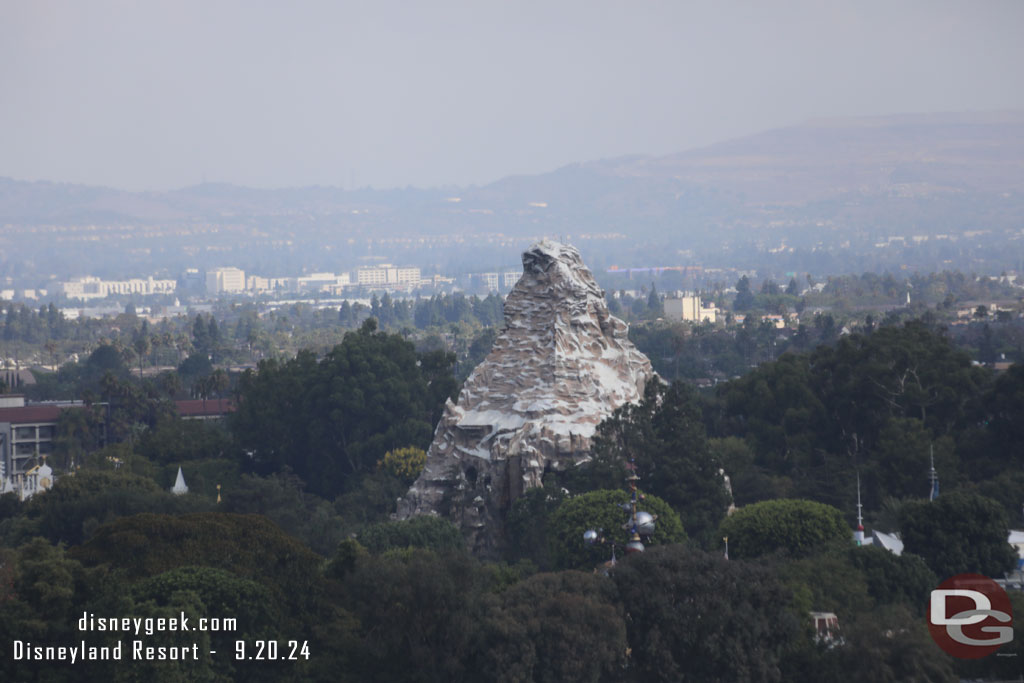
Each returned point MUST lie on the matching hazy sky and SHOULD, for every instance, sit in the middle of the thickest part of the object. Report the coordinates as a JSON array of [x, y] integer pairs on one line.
[[156, 95]]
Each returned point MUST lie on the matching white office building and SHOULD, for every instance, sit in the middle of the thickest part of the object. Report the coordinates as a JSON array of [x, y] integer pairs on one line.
[[388, 276], [690, 308], [225, 281]]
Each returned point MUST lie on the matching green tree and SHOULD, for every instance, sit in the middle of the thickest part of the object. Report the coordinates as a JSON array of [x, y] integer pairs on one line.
[[993, 440], [744, 300], [404, 463], [526, 525], [430, 532], [77, 505], [44, 593], [205, 592], [893, 579], [655, 306], [664, 434], [889, 645], [555, 627], [103, 360], [419, 615], [793, 526], [173, 439], [604, 510], [142, 345], [249, 546], [79, 431], [697, 617], [818, 418], [957, 533], [282, 498], [331, 420]]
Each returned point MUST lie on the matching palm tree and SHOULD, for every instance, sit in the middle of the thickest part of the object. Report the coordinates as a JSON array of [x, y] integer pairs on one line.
[[202, 387], [220, 382], [141, 346]]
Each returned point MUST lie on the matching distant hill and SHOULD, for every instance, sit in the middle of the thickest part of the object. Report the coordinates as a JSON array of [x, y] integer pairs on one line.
[[895, 175], [908, 154]]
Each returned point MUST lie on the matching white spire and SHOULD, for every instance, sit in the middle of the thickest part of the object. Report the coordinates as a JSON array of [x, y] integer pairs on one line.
[[179, 487]]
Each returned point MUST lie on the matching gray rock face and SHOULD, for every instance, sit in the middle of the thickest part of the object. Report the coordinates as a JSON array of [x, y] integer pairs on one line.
[[560, 366]]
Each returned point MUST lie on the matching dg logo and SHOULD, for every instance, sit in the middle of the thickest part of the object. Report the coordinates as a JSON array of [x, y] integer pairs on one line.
[[969, 616]]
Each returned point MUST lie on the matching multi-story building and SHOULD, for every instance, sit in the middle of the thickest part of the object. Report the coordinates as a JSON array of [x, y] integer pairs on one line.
[[90, 287], [83, 288], [388, 276], [225, 281], [510, 278], [26, 432], [323, 282], [690, 308], [489, 281], [255, 283]]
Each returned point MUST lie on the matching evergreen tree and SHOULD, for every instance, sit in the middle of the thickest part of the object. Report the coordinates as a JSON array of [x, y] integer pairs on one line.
[[744, 300]]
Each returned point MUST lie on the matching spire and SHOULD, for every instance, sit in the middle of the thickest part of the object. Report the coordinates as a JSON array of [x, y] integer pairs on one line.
[[179, 487], [933, 476], [858, 535]]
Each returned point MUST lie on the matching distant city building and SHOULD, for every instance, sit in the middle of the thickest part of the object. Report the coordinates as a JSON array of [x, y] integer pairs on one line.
[[26, 432], [690, 308], [437, 281], [778, 321], [225, 281], [510, 278], [388, 276], [255, 283], [192, 280], [489, 281], [494, 282], [90, 287], [329, 283]]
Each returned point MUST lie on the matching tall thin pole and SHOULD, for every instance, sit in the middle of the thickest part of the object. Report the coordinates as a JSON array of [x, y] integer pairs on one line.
[[858, 535], [933, 475]]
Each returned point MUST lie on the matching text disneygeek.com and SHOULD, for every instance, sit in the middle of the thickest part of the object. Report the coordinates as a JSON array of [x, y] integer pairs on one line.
[[140, 650]]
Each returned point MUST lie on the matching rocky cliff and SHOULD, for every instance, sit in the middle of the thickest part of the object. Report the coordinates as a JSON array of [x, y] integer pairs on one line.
[[560, 366]]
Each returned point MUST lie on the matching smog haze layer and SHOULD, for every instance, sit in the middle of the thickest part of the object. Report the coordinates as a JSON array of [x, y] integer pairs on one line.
[[157, 96]]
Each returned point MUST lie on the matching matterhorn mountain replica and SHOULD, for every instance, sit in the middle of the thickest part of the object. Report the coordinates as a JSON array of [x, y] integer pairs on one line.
[[560, 366]]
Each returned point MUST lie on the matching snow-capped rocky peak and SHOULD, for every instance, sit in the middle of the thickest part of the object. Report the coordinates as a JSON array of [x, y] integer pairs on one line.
[[561, 364]]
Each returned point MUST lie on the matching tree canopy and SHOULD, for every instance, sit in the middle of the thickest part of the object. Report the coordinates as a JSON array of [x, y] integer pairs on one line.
[[958, 532], [664, 435], [791, 526], [603, 509], [336, 417]]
